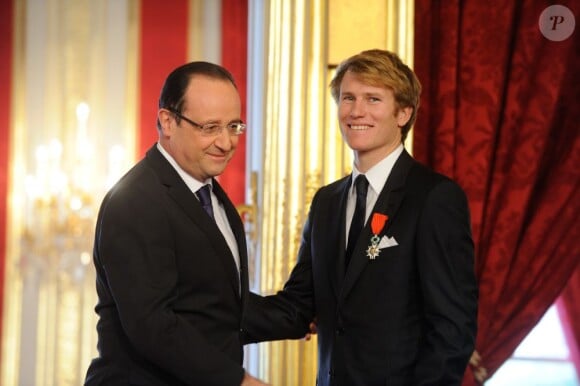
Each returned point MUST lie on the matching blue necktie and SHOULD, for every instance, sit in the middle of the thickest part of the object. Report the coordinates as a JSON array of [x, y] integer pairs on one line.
[[358, 218], [204, 196]]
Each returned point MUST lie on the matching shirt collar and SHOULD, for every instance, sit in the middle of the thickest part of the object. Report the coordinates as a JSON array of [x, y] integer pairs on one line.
[[191, 182], [378, 174]]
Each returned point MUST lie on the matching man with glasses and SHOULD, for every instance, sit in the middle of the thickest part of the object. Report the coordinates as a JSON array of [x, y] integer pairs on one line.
[[170, 252]]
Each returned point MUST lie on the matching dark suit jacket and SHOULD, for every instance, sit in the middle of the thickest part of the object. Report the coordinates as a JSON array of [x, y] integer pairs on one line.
[[169, 305], [409, 316]]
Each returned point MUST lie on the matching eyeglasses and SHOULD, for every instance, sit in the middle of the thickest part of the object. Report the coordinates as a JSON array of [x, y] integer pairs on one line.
[[211, 129]]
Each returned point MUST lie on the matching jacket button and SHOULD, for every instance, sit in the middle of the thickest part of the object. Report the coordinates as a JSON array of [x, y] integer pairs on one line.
[[340, 331]]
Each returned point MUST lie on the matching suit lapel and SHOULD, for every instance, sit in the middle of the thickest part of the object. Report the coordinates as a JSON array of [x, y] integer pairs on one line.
[[393, 193], [182, 195], [387, 203], [240, 235]]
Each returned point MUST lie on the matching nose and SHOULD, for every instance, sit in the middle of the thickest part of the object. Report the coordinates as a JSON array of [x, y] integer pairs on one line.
[[224, 140], [357, 108]]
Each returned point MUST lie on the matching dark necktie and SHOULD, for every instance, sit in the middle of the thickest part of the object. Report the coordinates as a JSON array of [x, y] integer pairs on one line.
[[358, 219], [204, 196]]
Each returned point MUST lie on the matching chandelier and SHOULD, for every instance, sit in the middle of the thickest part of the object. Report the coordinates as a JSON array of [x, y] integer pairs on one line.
[[58, 337]]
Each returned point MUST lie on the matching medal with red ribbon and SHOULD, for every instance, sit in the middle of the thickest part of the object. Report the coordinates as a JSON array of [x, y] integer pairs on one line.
[[378, 222]]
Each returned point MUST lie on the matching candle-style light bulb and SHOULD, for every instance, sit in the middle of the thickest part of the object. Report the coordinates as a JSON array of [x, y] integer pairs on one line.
[[83, 111]]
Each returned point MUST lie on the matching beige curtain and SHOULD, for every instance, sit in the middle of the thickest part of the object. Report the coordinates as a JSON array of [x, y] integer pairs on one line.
[[72, 135]]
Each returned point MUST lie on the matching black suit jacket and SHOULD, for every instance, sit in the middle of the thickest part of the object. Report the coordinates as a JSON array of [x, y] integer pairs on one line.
[[169, 305], [407, 317]]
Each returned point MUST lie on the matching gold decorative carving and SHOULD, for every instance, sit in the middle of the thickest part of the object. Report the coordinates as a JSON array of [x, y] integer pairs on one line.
[[249, 214], [249, 211]]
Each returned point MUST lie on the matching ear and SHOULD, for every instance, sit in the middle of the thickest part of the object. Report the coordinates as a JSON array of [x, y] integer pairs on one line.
[[403, 115], [165, 119]]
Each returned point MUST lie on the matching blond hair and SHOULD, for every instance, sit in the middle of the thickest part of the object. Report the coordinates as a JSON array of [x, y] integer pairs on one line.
[[382, 68]]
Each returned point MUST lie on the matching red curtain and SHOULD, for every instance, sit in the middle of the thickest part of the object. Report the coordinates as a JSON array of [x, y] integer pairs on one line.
[[235, 59], [163, 46], [500, 115]]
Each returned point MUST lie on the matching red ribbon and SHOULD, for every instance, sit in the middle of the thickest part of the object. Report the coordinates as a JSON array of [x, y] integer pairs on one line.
[[378, 222]]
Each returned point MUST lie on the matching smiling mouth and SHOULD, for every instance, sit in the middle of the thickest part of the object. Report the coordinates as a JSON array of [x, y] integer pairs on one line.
[[218, 156], [359, 127]]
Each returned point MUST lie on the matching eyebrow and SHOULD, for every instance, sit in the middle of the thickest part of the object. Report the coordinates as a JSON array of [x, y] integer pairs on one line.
[[366, 94], [219, 121]]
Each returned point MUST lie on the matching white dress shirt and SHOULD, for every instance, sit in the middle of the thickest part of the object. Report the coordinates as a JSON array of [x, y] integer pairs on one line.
[[377, 177]]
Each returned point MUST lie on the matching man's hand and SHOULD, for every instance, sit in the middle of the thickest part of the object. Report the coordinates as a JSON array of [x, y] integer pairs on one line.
[[313, 330], [251, 381]]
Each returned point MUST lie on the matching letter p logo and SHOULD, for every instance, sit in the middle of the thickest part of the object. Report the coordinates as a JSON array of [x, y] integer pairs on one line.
[[556, 20], [557, 23]]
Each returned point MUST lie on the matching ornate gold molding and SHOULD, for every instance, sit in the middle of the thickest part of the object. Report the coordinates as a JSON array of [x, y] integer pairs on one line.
[[249, 211]]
